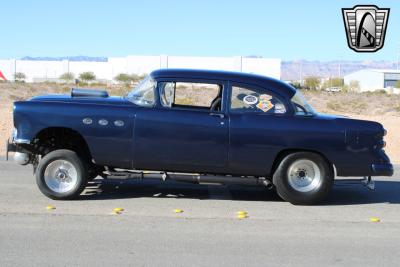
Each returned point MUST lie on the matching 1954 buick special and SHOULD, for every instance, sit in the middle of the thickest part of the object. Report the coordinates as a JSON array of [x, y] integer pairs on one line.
[[195, 126]]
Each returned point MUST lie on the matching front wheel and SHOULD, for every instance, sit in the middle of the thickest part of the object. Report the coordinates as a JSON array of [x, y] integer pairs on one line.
[[303, 178], [61, 174]]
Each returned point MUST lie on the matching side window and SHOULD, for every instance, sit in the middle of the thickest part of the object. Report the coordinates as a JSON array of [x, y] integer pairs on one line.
[[251, 100], [191, 95]]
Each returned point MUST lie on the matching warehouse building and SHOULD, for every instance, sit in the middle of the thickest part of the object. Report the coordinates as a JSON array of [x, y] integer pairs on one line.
[[374, 79], [40, 70]]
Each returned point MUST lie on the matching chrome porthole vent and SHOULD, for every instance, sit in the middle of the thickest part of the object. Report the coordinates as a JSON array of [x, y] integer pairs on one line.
[[87, 121], [119, 123], [103, 122]]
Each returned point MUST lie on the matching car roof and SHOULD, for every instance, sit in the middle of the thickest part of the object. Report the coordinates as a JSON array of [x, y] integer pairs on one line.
[[269, 83]]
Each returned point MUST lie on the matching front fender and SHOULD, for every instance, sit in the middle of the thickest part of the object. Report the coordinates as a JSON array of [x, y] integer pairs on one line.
[[110, 144]]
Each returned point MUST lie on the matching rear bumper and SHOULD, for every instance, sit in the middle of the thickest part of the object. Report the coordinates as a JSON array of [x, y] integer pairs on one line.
[[382, 169]]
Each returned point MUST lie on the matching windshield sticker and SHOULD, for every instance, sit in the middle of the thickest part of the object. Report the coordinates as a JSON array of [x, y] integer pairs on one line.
[[265, 97], [280, 108], [250, 99], [265, 106]]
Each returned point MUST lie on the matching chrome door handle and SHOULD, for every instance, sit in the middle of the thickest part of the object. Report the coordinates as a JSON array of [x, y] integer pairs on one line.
[[218, 115]]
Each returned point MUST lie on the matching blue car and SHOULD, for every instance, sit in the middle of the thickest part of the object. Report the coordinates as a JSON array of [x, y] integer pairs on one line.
[[196, 126]]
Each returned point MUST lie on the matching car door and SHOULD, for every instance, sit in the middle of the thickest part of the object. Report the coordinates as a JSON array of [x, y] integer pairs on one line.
[[180, 133], [258, 123]]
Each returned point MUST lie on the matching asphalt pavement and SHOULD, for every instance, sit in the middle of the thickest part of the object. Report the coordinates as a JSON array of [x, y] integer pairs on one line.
[[148, 232]]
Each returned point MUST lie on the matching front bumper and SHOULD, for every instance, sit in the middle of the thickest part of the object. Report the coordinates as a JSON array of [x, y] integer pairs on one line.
[[10, 147], [382, 169], [15, 144]]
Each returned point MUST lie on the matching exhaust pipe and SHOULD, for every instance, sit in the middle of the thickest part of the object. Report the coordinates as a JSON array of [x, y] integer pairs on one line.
[[268, 184], [213, 179], [191, 178]]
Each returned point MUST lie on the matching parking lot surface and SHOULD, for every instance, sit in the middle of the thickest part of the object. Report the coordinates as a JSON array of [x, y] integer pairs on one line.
[[207, 233]]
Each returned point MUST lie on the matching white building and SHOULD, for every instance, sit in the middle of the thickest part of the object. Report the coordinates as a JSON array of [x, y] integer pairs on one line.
[[374, 79], [36, 71]]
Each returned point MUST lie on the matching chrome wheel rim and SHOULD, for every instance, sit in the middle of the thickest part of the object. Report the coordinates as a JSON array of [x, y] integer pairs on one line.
[[304, 175], [61, 176]]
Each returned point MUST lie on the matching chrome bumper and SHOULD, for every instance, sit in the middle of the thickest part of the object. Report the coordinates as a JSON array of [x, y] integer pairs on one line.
[[12, 144], [10, 147]]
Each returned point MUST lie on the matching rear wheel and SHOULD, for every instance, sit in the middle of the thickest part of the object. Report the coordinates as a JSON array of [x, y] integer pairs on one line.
[[303, 178], [61, 174]]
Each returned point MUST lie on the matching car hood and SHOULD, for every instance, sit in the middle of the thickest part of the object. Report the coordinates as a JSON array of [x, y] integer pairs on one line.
[[329, 116], [350, 124], [110, 100]]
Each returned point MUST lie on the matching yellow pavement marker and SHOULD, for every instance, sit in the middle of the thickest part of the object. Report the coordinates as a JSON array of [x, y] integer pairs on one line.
[[375, 219], [50, 207], [241, 214], [118, 210], [178, 210]]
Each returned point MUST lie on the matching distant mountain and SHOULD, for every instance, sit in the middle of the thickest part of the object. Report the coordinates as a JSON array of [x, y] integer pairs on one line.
[[73, 58], [292, 70]]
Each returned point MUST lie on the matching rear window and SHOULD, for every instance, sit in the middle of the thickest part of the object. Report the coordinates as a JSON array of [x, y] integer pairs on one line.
[[252, 100]]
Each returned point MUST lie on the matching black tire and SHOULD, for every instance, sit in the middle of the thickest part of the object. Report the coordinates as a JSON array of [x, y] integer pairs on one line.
[[286, 184], [78, 170]]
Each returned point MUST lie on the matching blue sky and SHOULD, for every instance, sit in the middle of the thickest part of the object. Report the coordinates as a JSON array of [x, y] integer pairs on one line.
[[285, 29]]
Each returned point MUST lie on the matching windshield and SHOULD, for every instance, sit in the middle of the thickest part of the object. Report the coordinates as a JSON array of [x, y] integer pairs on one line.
[[301, 106], [143, 93]]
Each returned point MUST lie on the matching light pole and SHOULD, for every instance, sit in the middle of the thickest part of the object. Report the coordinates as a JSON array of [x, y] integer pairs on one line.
[[300, 71]]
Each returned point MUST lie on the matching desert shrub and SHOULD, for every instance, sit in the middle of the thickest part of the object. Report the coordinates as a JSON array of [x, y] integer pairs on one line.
[[312, 82], [124, 78], [333, 82], [87, 76], [67, 77]]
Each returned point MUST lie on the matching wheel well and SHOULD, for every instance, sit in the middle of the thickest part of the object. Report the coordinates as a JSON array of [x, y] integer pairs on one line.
[[281, 155], [53, 138]]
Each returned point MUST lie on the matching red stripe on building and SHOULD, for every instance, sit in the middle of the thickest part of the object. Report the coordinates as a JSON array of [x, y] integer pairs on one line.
[[2, 76]]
